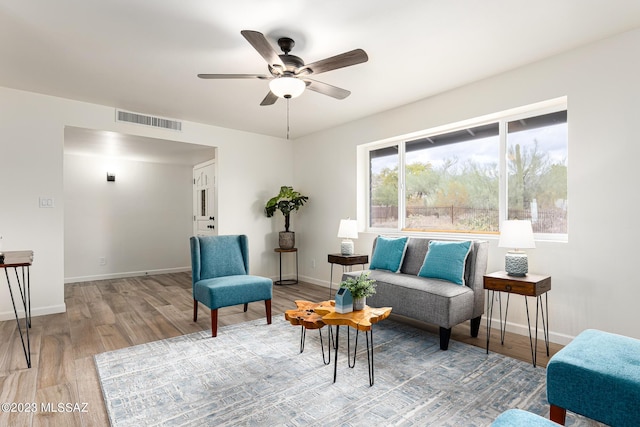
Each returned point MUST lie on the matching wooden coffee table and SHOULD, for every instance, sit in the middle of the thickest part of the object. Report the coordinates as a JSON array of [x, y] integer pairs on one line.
[[315, 315]]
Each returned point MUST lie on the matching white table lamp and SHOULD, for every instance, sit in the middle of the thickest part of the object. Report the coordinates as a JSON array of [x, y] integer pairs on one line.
[[348, 230], [516, 235]]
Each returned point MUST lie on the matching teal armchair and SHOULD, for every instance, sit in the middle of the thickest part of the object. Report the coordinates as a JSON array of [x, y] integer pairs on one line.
[[220, 276]]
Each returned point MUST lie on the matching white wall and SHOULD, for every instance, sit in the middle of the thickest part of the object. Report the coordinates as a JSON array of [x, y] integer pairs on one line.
[[594, 282], [594, 275], [139, 224], [250, 168]]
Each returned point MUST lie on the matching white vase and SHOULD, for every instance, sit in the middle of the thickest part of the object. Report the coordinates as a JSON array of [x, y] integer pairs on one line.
[[359, 303]]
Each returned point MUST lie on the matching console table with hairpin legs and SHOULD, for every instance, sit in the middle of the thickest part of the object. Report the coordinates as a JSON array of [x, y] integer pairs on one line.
[[18, 262]]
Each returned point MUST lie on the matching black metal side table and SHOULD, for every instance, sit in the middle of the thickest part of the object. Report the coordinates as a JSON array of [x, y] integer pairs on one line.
[[280, 251]]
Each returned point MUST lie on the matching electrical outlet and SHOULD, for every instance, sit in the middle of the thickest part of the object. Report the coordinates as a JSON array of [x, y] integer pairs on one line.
[[46, 202], [102, 261], [313, 263]]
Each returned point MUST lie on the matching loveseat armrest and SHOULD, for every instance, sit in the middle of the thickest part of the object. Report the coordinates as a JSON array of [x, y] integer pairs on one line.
[[478, 268]]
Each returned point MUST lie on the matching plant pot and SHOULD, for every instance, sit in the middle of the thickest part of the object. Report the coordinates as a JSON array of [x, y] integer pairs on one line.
[[287, 240], [359, 303]]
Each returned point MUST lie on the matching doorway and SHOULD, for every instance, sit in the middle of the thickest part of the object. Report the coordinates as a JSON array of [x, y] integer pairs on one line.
[[141, 222], [204, 199]]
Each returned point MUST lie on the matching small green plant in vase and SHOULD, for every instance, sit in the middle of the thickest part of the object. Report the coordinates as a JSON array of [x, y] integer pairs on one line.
[[360, 288]]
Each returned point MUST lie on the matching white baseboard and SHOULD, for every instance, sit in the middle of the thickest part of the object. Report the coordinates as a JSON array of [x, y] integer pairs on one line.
[[315, 281], [126, 274], [41, 311], [521, 329]]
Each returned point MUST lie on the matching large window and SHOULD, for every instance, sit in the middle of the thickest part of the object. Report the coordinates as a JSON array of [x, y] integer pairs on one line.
[[383, 173], [467, 179], [537, 171]]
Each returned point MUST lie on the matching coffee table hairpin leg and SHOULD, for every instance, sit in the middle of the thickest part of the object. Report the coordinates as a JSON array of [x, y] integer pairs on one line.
[[303, 335], [355, 349], [325, 359], [369, 336]]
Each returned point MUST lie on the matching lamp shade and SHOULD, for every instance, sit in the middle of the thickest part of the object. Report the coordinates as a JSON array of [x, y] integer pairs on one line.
[[516, 234], [287, 87], [348, 229]]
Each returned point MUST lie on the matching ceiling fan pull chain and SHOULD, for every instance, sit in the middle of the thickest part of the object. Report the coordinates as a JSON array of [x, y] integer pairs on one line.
[[288, 99]]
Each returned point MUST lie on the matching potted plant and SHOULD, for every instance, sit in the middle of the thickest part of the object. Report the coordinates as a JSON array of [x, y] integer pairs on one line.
[[287, 201], [360, 289]]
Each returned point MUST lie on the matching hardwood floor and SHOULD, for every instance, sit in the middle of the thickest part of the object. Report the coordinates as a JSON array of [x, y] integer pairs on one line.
[[111, 314]]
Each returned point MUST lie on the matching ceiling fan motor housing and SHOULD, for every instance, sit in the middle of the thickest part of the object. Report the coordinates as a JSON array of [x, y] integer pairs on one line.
[[291, 62]]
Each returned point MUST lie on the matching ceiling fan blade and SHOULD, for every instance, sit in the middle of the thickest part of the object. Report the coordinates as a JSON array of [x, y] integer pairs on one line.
[[270, 99], [264, 48], [234, 76], [327, 89], [356, 56]]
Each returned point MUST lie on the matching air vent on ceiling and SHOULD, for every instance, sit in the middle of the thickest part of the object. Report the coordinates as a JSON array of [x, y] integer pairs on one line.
[[141, 119]]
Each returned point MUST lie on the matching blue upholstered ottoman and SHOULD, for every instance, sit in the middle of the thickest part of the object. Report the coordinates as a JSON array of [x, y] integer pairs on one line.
[[596, 375], [520, 418]]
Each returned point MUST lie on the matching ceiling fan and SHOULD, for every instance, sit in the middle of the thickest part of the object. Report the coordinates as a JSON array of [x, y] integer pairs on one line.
[[288, 74]]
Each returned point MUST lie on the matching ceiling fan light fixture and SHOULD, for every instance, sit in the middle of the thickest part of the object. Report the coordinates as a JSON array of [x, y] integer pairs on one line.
[[287, 87]]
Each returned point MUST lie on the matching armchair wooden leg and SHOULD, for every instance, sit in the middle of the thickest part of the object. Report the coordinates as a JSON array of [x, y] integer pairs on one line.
[[557, 414], [214, 323], [267, 306], [246, 306], [195, 310]]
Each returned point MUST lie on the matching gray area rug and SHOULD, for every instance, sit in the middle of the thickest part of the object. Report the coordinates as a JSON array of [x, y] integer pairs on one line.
[[253, 374]]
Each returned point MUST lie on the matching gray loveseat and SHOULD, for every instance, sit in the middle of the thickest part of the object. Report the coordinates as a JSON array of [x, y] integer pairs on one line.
[[434, 301]]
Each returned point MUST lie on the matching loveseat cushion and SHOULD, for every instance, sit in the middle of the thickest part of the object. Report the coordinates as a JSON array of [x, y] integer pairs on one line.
[[416, 252], [388, 253], [446, 261], [432, 300]]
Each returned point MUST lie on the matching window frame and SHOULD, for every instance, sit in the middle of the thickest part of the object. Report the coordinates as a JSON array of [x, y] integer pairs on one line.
[[502, 118]]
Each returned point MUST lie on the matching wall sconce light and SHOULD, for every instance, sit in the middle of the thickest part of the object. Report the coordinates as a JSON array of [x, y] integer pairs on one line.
[[111, 177]]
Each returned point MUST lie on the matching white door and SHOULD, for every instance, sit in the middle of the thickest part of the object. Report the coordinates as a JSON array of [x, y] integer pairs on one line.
[[204, 199]]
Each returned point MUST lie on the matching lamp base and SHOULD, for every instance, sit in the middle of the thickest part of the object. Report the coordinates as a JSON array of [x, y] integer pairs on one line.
[[516, 263], [346, 247]]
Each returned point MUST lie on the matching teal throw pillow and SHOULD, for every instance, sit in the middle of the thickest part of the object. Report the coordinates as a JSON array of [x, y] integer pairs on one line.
[[388, 253], [446, 261]]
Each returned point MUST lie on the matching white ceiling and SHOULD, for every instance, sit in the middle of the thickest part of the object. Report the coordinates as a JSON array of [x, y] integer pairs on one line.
[[143, 55], [89, 142]]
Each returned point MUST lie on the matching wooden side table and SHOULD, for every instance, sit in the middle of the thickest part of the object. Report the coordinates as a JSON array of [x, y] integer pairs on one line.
[[531, 285], [345, 261], [280, 251]]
